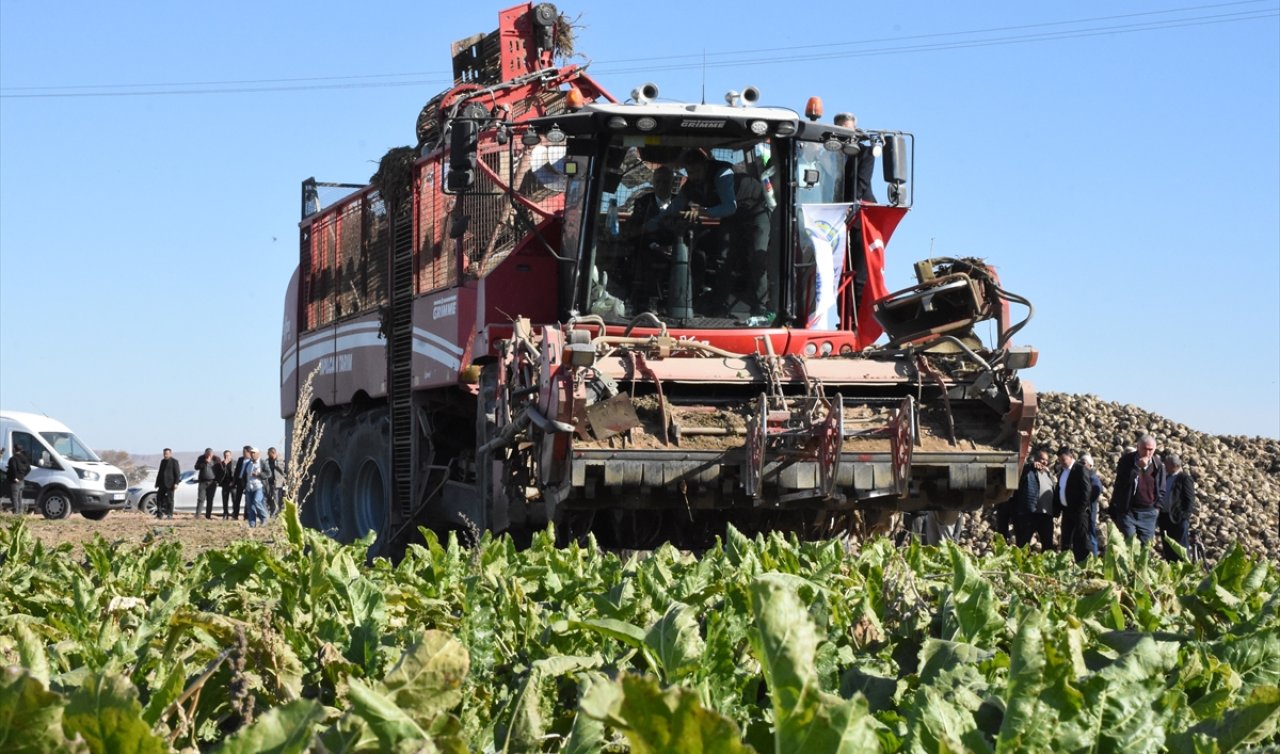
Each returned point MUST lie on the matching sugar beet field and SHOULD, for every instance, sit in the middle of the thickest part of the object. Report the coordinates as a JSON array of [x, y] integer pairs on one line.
[[297, 644]]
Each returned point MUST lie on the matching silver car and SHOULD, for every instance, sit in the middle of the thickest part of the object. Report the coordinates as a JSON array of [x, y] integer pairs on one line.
[[143, 498]]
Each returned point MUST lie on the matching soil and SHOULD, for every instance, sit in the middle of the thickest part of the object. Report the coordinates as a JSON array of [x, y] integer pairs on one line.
[[133, 527]]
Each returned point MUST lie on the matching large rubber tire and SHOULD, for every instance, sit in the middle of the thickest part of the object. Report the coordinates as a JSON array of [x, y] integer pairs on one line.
[[95, 515], [322, 490], [54, 503], [367, 479]]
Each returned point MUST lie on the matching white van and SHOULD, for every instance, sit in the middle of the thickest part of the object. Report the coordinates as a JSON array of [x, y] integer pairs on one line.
[[70, 476]]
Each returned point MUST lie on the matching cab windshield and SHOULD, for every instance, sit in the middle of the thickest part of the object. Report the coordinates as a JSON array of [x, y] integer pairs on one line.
[[685, 231], [69, 446]]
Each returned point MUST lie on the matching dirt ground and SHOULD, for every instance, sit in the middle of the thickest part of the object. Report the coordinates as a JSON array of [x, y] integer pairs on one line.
[[132, 527]]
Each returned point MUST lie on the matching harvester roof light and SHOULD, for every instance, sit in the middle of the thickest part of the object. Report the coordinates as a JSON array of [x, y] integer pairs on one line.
[[617, 122], [852, 148], [785, 128], [647, 123], [877, 146], [531, 138], [555, 135], [813, 108], [574, 100], [759, 127], [832, 144]]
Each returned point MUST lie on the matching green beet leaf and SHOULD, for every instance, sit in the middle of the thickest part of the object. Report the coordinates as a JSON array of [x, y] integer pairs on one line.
[[676, 643], [805, 718], [662, 722], [282, 730], [30, 716], [427, 681], [105, 712]]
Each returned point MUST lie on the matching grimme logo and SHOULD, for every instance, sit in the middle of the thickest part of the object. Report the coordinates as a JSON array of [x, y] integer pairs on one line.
[[445, 308], [691, 123]]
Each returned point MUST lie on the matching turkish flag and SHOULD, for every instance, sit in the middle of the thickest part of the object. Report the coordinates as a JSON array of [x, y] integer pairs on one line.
[[878, 223]]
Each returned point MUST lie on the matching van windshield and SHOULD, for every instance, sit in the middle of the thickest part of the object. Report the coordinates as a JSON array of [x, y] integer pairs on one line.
[[69, 446]]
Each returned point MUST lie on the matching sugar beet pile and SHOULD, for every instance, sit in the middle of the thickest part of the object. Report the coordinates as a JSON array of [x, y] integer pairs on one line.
[[1237, 478]]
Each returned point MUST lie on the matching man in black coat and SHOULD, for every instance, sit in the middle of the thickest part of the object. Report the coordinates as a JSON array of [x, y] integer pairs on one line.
[[1083, 488], [208, 470], [167, 479], [16, 472], [1138, 493], [1180, 501]]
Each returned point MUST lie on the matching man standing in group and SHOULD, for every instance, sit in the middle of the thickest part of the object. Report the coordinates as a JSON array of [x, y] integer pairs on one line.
[[227, 481], [273, 481], [207, 473], [1079, 533], [1179, 502], [167, 479], [1066, 460], [1139, 491], [16, 472], [1033, 503], [237, 492], [251, 471]]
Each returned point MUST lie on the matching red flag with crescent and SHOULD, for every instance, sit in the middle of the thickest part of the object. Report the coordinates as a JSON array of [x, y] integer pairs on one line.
[[878, 224]]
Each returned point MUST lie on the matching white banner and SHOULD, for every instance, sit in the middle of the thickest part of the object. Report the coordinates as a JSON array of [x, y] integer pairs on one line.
[[828, 235]]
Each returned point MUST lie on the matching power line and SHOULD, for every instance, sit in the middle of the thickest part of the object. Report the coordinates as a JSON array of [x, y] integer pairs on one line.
[[365, 81]]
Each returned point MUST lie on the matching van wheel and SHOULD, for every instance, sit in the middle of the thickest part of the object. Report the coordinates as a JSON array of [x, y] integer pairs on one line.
[[94, 515], [55, 504], [148, 504]]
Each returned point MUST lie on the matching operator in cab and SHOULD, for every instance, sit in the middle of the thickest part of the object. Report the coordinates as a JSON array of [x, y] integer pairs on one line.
[[716, 191]]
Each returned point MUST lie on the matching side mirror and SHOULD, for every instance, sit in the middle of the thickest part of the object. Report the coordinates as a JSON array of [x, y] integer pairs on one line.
[[895, 160]]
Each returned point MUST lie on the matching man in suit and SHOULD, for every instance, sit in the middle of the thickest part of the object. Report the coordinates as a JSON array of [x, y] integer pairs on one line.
[[1179, 502], [1138, 493], [227, 481], [167, 479], [237, 493], [1081, 493]]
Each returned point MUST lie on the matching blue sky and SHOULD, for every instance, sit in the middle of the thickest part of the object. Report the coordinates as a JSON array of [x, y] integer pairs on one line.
[[1118, 161]]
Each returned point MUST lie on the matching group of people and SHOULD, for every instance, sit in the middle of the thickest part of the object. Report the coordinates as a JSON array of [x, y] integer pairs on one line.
[[1151, 496], [258, 481]]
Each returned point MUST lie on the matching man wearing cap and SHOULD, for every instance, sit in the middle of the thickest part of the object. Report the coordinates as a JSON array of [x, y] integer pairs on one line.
[[252, 473], [1179, 502]]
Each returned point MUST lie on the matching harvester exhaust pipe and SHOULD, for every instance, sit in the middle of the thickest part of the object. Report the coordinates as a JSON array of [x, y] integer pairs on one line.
[[645, 92]]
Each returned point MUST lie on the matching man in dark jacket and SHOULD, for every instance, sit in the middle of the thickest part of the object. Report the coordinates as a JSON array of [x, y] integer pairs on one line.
[[1139, 491], [1179, 502], [1083, 488], [208, 469], [1033, 502], [16, 472], [167, 478]]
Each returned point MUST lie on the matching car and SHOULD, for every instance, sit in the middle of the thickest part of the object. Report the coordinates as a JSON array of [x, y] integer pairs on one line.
[[143, 498]]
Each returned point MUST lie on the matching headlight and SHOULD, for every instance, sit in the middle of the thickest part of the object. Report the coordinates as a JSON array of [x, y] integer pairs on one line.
[[88, 476], [759, 127], [647, 123]]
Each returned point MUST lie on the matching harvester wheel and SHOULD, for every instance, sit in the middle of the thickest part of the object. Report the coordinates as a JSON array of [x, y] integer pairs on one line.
[[321, 491], [367, 485]]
